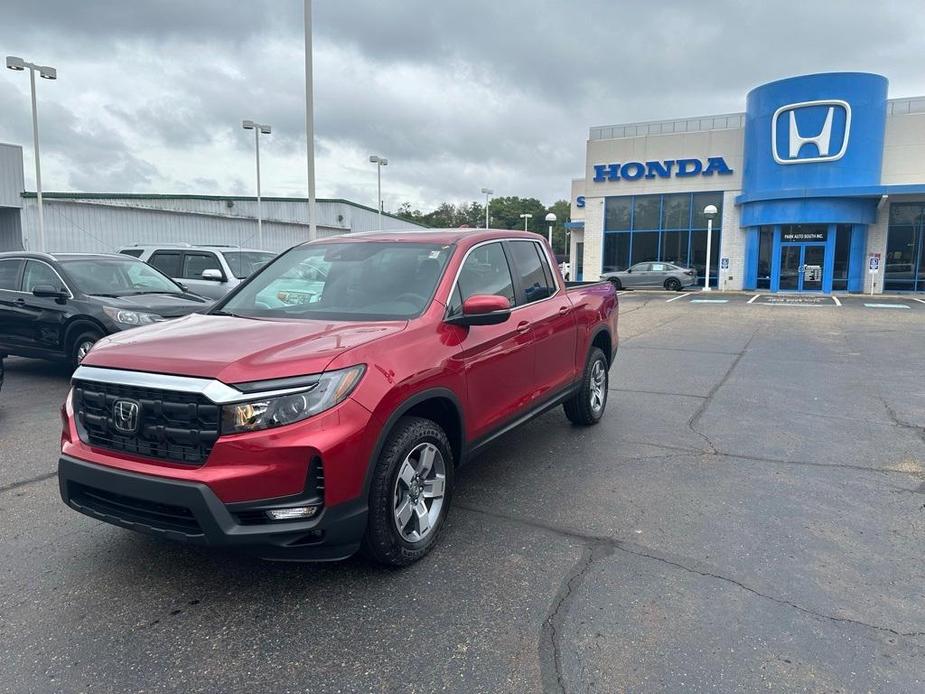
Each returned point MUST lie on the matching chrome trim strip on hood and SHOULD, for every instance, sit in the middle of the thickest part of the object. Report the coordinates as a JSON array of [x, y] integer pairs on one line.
[[216, 391]]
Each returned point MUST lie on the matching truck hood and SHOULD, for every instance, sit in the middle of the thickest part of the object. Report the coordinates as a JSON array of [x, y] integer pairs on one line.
[[235, 350]]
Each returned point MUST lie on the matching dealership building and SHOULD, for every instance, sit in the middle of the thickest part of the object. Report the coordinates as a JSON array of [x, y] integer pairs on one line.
[[819, 187], [103, 222]]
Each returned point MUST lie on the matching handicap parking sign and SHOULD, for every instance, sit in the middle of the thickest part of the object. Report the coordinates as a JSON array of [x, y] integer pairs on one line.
[[724, 263], [873, 263]]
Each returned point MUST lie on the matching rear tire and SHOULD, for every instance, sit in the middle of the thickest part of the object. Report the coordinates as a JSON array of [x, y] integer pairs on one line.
[[587, 406], [405, 519], [672, 284], [81, 345]]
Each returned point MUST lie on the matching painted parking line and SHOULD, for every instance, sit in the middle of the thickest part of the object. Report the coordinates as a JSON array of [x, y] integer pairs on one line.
[[709, 301], [837, 302], [753, 298], [887, 305], [921, 301], [679, 296]]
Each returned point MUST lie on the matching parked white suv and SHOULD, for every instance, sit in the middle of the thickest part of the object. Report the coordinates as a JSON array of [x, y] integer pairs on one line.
[[210, 271]]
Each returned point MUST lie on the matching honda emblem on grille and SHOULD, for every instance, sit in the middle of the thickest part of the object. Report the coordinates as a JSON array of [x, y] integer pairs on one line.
[[125, 416]]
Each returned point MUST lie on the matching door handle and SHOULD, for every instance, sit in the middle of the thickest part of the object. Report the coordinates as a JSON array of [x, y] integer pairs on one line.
[[20, 302], [564, 309], [523, 326]]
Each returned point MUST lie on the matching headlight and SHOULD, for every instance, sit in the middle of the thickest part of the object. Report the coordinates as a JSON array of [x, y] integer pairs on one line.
[[124, 317], [331, 388]]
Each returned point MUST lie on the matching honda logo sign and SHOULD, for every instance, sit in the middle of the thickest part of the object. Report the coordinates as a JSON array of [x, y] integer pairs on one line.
[[125, 416], [806, 140]]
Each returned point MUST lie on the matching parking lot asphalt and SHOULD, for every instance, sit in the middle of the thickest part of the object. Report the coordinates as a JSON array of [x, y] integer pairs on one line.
[[748, 515]]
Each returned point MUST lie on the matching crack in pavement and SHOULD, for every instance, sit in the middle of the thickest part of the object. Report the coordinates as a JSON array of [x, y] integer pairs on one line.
[[31, 480], [599, 547], [695, 418], [897, 421]]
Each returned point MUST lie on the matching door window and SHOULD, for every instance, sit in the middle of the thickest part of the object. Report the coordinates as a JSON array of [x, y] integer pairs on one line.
[[485, 271], [39, 274], [534, 280], [9, 274], [194, 264], [658, 267], [166, 262]]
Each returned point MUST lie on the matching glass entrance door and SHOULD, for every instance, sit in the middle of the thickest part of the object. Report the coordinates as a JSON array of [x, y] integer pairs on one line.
[[801, 267]]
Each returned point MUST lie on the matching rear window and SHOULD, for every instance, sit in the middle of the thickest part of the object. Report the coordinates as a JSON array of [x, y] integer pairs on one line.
[[534, 279], [9, 274]]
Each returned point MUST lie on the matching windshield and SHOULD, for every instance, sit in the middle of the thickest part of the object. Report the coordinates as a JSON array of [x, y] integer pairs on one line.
[[117, 277], [243, 264], [344, 281]]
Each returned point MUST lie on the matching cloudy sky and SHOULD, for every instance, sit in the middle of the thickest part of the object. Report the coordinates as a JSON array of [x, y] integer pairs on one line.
[[457, 94]]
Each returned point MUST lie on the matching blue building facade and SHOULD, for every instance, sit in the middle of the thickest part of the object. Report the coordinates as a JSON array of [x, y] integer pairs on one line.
[[820, 183]]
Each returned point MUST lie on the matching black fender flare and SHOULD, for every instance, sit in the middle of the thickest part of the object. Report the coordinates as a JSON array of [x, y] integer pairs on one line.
[[400, 412], [613, 352], [76, 326]]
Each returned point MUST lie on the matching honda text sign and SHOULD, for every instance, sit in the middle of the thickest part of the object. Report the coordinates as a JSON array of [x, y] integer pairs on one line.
[[810, 131]]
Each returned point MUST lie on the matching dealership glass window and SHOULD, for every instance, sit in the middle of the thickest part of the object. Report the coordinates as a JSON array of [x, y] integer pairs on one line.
[[842, 255], [904, 265], [616, 252], [661, 227], [646, 211], [765, 246], [617, 213], [676, 212]]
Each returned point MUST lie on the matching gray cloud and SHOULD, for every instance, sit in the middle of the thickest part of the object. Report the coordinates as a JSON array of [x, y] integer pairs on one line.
[[456, 94]]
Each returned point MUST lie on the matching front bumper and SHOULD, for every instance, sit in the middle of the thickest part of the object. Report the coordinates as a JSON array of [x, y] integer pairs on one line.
[[190, 512]]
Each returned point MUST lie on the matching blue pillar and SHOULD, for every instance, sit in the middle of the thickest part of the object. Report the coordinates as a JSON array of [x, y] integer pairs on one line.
[[828, 267], [775, 260], [750, 281], [857, 258]]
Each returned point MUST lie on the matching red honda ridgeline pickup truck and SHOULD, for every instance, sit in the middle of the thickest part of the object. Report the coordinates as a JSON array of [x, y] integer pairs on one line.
[[326, 404]]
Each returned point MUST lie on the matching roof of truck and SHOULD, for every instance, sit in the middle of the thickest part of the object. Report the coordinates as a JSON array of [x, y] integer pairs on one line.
[[436, 236]]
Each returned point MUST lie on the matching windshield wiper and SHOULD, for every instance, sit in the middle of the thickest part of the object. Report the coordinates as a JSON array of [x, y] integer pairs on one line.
[[153, 291], [109, 296], [226, 313]]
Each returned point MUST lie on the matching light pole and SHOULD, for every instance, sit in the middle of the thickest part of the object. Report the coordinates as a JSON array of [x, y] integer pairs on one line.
[[488, 192], [709, 212], [310, 122], [526, 216], [48, 73], [551, 219], [258, 129], [379, 162]]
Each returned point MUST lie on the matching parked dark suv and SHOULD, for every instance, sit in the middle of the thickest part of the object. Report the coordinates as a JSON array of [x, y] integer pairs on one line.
[[56, 306]]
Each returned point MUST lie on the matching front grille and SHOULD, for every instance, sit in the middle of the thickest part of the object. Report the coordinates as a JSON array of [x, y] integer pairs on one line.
[[172, 426], [129, 509]]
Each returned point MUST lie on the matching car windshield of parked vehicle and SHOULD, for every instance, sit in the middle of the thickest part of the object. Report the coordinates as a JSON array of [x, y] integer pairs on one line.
[[370, 280], [117, 277], [243, 264]]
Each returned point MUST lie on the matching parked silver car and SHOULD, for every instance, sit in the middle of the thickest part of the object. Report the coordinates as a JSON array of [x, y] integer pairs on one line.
[[209, 271], [668, 275]]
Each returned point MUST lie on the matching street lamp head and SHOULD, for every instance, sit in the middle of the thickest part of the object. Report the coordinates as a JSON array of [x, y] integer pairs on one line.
[[265, 129], [710, 211], [551, 217], [48, 73], [488, 191], [526, 215], [14, 63], [247, 124], [383, 161], [373, 159]]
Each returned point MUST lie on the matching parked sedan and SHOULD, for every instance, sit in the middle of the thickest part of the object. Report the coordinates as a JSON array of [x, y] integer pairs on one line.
[[672, 277], [56, 306]]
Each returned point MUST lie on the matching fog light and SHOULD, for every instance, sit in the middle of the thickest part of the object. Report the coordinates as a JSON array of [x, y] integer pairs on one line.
[[294, 513]]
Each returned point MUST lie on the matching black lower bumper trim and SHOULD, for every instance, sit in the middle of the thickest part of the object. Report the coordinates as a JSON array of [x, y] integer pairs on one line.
[[190, 512]]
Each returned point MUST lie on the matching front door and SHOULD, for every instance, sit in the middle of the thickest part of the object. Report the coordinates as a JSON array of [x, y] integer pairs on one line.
[[801, 267]]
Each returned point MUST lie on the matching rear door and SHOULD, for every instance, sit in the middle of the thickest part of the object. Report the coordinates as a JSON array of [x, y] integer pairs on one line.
[[10, 298], [497, 359], [546, 308], [658, 273], [194, 264]]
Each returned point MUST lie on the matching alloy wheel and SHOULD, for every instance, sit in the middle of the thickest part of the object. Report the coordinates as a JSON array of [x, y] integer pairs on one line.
[[419, 492], [598, 386]]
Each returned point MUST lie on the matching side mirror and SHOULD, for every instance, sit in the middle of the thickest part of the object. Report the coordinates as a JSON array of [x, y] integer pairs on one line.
[[483, 309], [46, 291], [629, 269], [212, 275]]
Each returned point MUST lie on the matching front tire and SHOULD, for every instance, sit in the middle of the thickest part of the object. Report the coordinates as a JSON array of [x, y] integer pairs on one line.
[[617, 284], [672, 284], [81, 345], [410, 493], [587, 406]]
